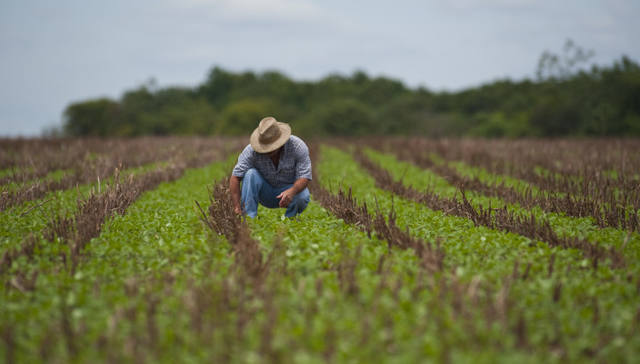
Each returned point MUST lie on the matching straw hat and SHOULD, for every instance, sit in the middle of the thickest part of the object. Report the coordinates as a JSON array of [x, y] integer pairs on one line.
[[269, 135]]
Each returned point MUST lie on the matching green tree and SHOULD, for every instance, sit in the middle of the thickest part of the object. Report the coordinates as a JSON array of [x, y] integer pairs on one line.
[[241, 117], [345, 117], [91, 118], [565, 99]]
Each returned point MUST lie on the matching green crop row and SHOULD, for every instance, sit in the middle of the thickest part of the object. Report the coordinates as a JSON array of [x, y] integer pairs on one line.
[[108, 302], [13, 170], [56, 175], [583, 228], [393, 312], [490, 178], [159, 236], [157, 286], [524, 186], [592, 308], [32, 216]]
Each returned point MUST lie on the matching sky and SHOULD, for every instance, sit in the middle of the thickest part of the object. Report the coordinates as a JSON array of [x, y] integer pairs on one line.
[[53, 53]]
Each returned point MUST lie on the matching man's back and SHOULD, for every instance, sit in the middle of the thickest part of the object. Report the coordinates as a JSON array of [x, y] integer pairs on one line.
[[294, 163]]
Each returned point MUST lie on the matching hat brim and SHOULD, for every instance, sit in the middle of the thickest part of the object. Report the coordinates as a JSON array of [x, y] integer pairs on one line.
[[285, 133]]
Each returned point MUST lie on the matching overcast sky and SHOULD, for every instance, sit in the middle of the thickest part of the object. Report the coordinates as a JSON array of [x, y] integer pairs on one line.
[[57, 52]]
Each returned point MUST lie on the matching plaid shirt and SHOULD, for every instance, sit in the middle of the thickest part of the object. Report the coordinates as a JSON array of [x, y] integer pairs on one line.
[[294, 163]]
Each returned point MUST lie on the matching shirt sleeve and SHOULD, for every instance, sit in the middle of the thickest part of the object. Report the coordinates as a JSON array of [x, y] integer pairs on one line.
[[303, 161], [245, 162]]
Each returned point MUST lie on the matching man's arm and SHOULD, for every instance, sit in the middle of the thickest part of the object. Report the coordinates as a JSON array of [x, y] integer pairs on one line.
[[245, 162], [234, 188], [287, 195]]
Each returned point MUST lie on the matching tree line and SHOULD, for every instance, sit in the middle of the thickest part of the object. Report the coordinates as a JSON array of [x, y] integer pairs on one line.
[[564, 99]]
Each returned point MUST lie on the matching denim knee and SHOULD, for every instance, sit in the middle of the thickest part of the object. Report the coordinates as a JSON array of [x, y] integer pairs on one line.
[[251, 174], [305, 195], [302, 198]]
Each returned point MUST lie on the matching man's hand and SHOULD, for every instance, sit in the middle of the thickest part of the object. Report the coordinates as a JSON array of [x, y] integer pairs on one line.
[[286, 197], [237, 210]]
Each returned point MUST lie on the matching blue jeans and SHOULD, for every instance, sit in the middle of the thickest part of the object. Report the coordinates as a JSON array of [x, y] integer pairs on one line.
[[255, 189]]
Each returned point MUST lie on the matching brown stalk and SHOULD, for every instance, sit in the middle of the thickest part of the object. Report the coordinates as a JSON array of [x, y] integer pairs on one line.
[[345, 207], [110, 154], [499, 219], [578, 187]]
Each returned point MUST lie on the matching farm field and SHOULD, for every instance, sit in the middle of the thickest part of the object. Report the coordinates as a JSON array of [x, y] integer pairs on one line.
[[411, 250]]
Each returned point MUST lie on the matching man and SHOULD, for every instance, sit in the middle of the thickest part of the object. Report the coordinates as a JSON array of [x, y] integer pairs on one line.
[[275, 170]]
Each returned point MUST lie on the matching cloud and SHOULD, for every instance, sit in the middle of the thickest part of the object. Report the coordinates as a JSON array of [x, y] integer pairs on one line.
[[279, 10], [73, 51], [491, 5]]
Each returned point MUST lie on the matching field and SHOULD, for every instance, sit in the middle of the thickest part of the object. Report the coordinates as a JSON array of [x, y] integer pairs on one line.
[[411, 250]]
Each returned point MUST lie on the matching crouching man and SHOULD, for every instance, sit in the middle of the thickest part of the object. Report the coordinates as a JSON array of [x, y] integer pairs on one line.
[[275, 170]]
